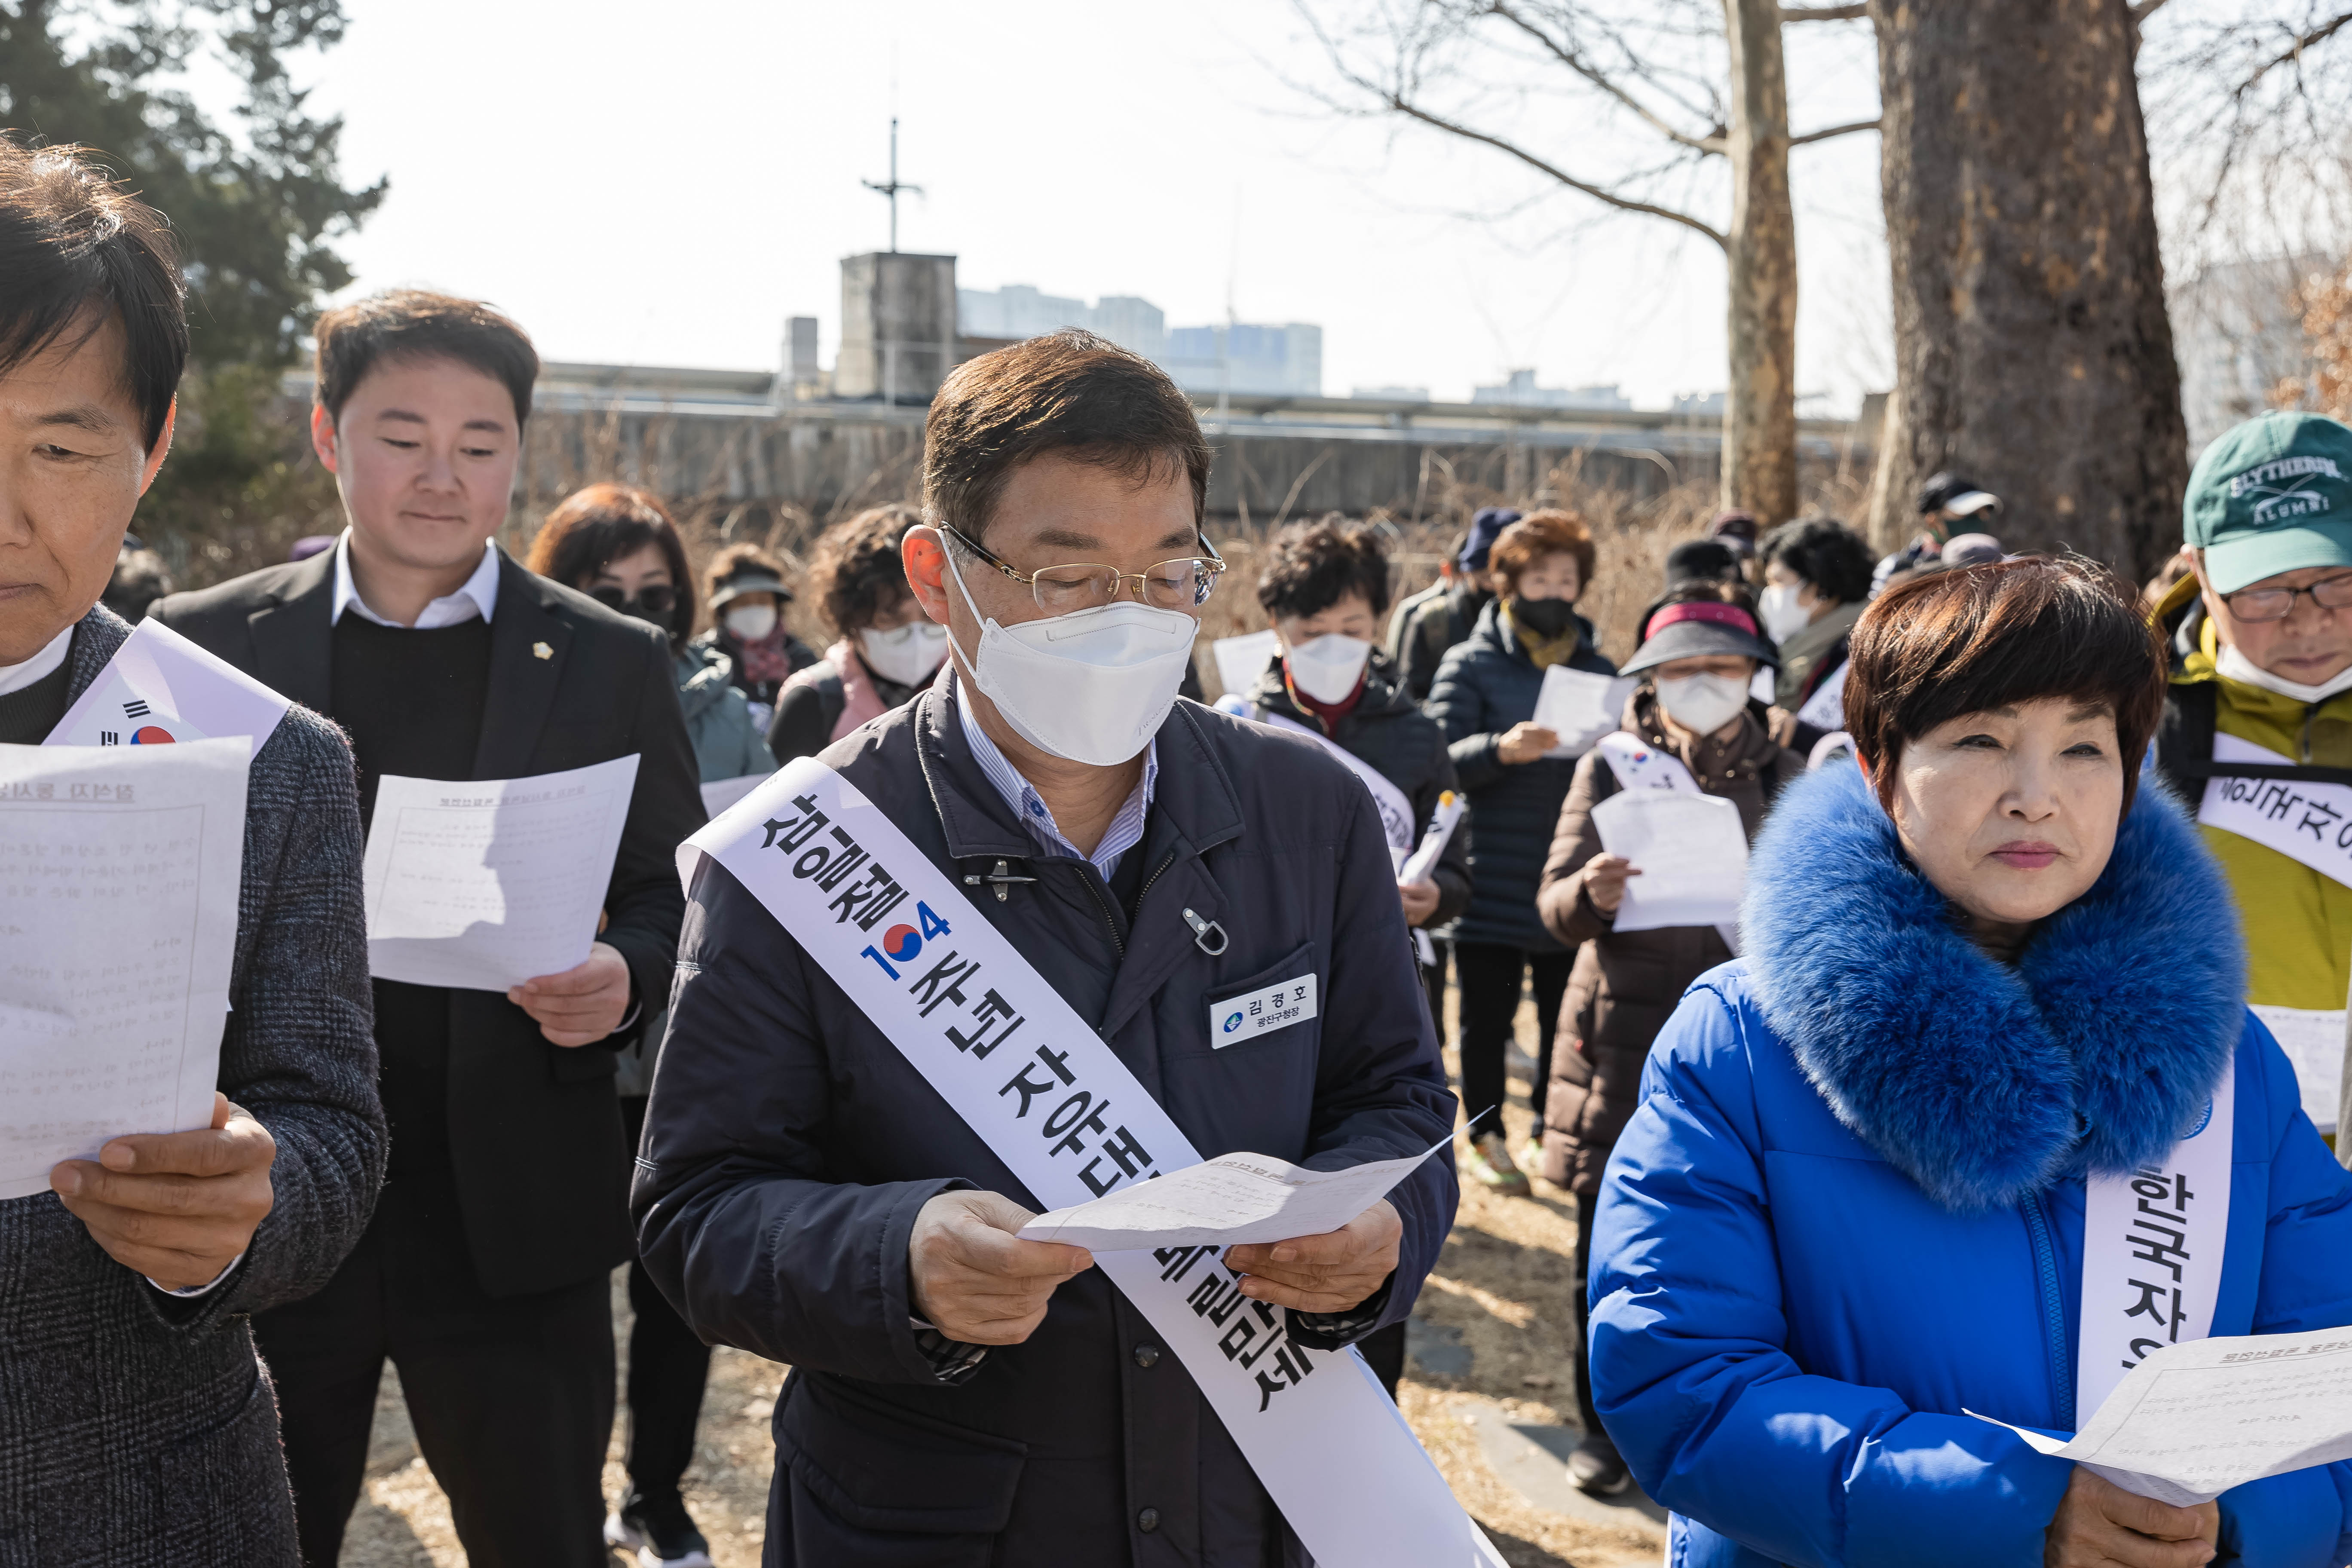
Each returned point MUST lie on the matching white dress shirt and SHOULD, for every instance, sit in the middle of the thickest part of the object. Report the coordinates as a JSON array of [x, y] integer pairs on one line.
[[476, 596]]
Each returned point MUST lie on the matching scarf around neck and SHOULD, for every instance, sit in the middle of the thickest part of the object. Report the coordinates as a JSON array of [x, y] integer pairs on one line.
[[1979, 1081], [1546, 651]]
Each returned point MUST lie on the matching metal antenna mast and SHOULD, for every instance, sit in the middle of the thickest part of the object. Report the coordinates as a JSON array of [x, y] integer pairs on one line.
[[892, 186]]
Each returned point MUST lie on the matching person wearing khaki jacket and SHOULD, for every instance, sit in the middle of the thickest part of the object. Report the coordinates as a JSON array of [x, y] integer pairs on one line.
[[1624, 988]]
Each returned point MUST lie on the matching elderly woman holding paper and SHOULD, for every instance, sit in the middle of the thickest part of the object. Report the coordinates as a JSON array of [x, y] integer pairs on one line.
[[1516, 771], [1690, 745], [1977, 1123]]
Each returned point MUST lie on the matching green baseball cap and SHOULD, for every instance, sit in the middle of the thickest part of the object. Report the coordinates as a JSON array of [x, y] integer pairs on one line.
[[2274, 495]]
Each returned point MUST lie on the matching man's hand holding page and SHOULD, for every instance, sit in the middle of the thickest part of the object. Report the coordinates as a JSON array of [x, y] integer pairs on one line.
[[1326, 1273], [178, 1207], [585, 1004], [973, 1280]]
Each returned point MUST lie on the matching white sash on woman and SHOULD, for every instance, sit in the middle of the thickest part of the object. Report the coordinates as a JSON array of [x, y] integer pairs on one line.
[[1639, 765], [1396, 811], [2152, 1246], [949, 992]]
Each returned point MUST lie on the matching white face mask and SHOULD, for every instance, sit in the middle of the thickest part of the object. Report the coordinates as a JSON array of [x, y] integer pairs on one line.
[[1327, 668], [909, 655], [750, 623], [1093, 686], [1783, 617], [2235, 665], [1703, 703]]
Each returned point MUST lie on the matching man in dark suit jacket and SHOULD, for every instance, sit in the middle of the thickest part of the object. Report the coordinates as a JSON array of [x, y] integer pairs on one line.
[[484, 1275], [136, 1428]]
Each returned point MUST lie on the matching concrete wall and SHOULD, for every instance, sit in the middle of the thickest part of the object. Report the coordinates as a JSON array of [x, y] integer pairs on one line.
[[830, 459]]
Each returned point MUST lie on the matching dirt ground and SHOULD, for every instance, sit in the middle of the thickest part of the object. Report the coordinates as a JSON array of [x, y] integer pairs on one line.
[[1499, 1293]]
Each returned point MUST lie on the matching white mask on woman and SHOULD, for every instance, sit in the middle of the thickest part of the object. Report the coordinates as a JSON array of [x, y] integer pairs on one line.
[[1327, 668], [1783, 617], [750, 623], [1703, 703], [909, 655], [1092, 686]]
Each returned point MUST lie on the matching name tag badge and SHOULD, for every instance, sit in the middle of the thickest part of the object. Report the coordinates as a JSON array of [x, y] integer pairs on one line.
[[1246, 1018]]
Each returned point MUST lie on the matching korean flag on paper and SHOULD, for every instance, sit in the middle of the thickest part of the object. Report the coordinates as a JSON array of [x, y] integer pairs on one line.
[[160, 688]]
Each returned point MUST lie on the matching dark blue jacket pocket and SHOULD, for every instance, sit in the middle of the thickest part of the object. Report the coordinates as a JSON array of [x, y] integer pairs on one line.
[[880, 1469]]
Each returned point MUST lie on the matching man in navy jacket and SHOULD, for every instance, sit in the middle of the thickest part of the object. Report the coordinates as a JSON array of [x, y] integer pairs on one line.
[[960, 1394]]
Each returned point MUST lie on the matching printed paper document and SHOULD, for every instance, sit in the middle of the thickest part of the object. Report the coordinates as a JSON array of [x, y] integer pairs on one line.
[[1690, 850], [1224, 1203], [2193, 1420], [487, 884], [119, 880], [1581, 707]]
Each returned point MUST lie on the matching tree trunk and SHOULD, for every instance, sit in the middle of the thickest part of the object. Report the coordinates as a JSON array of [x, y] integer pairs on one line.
[[1760, 423], [2032, 353]]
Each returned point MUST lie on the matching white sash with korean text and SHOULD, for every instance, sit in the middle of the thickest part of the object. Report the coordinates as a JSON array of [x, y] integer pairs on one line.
[[1396, 811], [1072, 1122], [2152, 1244], [1641, 766], [2310, 823]]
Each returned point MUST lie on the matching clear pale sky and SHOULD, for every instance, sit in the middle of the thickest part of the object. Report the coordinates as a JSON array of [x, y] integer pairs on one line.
[[666, 185]]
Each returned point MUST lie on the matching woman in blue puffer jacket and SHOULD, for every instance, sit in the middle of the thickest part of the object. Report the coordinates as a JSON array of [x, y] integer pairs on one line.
[[1984, 978]]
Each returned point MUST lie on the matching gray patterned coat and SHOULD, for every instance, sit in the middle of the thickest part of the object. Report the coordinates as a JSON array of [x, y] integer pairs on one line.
[[136, 1429]]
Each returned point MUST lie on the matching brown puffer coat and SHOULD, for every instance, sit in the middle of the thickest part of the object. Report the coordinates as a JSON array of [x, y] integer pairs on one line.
[[1624, 988]]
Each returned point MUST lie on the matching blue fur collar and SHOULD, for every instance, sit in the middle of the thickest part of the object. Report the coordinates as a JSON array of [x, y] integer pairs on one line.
[[1980, 1082]]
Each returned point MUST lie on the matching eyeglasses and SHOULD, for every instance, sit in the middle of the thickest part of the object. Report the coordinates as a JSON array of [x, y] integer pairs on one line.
[[2258, 605], [658, 598], [1181, 584]]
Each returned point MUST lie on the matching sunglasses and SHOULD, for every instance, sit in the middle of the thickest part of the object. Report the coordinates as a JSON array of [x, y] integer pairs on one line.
[[659, 599]]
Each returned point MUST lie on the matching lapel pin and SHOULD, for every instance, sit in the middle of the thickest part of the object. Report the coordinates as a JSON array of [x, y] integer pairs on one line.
[[541, 650]]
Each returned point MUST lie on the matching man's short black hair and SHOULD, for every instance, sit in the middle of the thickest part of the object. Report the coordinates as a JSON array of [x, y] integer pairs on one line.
[[414, 324], [76, 250], [1069, 393], [1311, 566], [1825, 552], [1701, 560]]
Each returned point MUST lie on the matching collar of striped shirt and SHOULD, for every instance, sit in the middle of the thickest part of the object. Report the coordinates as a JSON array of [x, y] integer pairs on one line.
[[1125, 829]]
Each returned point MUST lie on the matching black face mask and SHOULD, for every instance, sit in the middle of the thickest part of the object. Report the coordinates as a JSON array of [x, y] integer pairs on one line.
[[1545, 617], [656, 606]]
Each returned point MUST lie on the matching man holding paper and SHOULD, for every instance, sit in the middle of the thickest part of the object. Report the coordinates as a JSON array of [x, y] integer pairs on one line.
[[1045, 932], [519, 930], [140, 1428]]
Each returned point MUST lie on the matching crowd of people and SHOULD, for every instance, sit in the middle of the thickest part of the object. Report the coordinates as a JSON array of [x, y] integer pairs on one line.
[[2038, 890]]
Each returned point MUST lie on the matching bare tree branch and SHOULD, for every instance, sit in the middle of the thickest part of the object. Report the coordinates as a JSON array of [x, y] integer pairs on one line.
[[1827, 132], [2293, 54], [1598, 192], [1834, 12], [1392, 97], [1716, 141], [2142, 10]]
